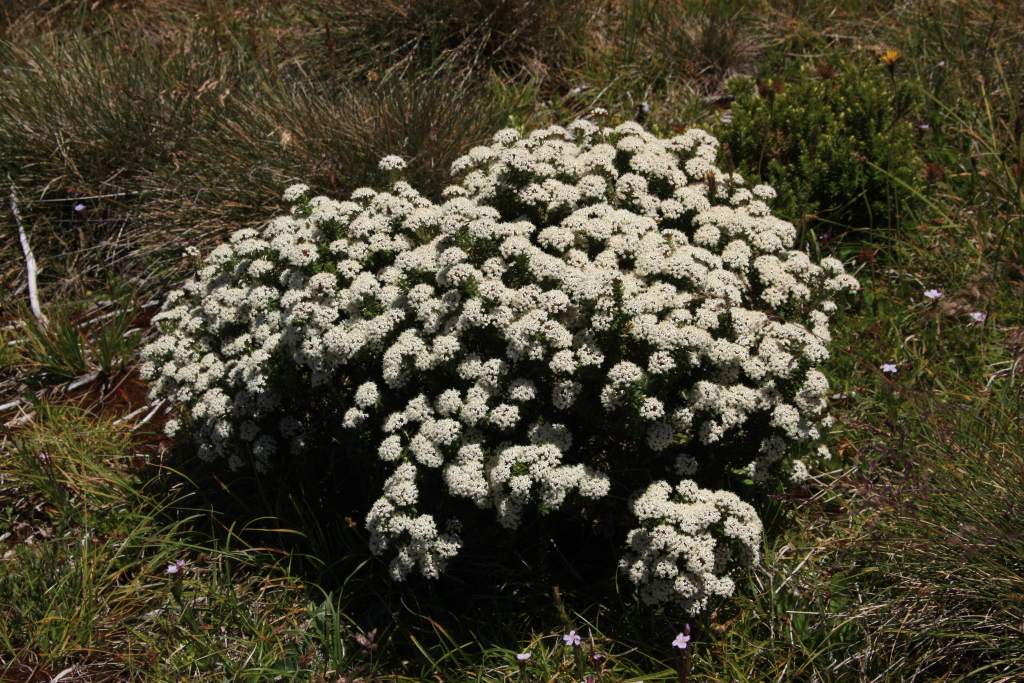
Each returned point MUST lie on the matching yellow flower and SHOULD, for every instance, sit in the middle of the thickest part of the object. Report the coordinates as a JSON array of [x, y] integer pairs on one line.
[[889, 58]]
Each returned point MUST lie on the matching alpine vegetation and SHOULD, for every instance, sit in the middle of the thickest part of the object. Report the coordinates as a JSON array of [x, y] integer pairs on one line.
[[590, 309]]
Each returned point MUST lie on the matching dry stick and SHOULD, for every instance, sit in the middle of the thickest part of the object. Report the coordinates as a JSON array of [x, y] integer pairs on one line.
[[81, 381], [30, 264], [8, 406], [19, 420], [149, 416], [140, 410], [62, 674]]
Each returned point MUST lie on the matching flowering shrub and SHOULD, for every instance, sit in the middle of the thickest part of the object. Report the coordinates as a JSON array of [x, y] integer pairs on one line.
[[590, 307]]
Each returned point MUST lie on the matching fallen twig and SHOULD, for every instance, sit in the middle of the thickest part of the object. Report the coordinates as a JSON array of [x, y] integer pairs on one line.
[[81, 381], [149, 416], [30, 263], [130, 415], [11, 404], [20, 420]]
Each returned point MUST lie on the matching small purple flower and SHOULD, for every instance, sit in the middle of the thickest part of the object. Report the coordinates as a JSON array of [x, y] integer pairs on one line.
[[890, 367], [176, 567], [924, 127], [933, 294], [43, 457], [597, 657], [979, 316], [681, 641], [823, 237], [523, 657], [571, 639], [79, 207]]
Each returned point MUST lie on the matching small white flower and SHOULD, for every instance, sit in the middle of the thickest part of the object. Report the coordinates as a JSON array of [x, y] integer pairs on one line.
[[506, 136], [563, 362], [353, 418], [660, 362], [522, 390], [295, 192], [171, 427], [390, 448], [624, 373], [652, 409], [504, 416], [392, 163], [367, 395]]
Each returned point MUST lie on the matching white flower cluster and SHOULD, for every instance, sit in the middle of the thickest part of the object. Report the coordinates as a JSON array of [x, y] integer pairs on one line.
[[691, 543], [581, 280]]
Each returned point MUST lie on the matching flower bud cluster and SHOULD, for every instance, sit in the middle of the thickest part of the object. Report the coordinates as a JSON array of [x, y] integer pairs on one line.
[[691, 543], [576, 281]]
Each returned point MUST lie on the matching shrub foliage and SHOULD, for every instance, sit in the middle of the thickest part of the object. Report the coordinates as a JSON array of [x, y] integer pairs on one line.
[[837, 137]]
